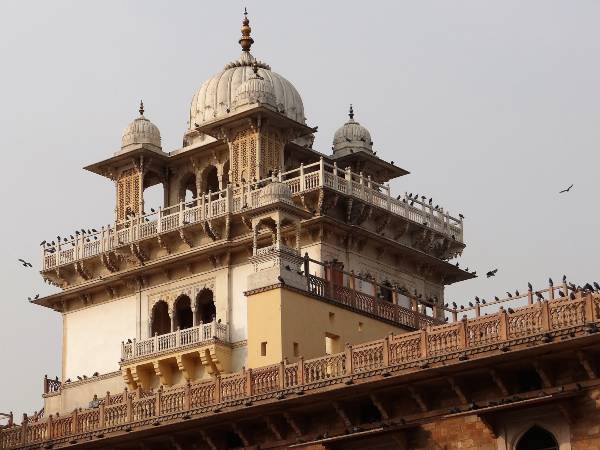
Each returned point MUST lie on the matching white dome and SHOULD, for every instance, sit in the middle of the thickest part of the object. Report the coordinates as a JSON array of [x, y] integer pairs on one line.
[[255, 90], [141, 131], [215, 97], [352, 136]]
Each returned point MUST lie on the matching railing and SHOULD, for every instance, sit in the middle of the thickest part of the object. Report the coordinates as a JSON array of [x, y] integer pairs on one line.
[[122, 411], [234, 200], [341, 287], [51, 385], [206, 332]]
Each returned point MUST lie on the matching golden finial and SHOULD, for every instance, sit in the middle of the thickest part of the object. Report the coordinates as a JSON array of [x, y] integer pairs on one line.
[[141, 108], [351, 113], [246, 41]]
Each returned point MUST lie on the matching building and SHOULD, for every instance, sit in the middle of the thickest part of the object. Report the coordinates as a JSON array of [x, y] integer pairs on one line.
[[281, 297]]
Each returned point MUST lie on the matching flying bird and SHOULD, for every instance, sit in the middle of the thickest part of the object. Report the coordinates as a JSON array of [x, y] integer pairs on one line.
[[491, 273], [566, 190], [24, 263]]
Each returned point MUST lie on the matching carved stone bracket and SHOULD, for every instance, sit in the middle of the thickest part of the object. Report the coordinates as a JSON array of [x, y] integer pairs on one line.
[[138, 253], [81, 271], [162, 242], [110, 260], [187, 240], [210, 230]]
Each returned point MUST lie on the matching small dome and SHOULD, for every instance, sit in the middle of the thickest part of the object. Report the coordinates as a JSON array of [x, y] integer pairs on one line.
[[141, 131], [352, 136], [275, 191], [216, 97], [255, 90]]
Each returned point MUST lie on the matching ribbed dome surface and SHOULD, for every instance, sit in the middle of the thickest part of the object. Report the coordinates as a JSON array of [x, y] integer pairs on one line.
[[215, 97], [141, 131], [255, 90], [352, 136]]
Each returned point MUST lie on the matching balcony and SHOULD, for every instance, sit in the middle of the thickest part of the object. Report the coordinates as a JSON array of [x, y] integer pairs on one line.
[[190, 354], [548, 326], [177, 340], [234, 200]]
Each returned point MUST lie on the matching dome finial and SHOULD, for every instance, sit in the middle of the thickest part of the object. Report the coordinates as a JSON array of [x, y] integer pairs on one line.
[[351, 112], [141, 108], [246, 41]]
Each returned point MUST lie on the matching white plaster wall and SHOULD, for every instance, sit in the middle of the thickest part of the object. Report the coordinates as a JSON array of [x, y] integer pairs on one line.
[[238, 358], [92, 337], [238, 314]]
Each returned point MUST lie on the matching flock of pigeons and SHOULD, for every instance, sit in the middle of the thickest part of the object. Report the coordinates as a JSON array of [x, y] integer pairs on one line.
[[91, 233]]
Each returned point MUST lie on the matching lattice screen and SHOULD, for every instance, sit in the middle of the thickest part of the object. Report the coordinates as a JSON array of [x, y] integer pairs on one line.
[[128, 193]]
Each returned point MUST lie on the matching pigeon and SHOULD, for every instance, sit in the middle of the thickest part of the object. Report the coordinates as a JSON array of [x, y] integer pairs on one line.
[[509, 294], [561, 293], [564, 278], [79, 378], [572, 296], [461, 216], [517, 293], [483, 301], [588, 287], [510, 310], [152, 210], [43, 242], [491, 273], [280, 279], [95, 374], [471, 304], [550, 282], [597, 286], [539, 295], [454, 305], [529, 286], [565, 190], [496, 298]]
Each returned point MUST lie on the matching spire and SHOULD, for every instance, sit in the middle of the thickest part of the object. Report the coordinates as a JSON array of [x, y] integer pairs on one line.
[[246, 41], [351, 112], [141, 108]]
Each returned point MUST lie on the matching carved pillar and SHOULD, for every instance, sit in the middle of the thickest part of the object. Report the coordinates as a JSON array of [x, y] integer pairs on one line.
[[298, 227], [278, 234], [172, 317]]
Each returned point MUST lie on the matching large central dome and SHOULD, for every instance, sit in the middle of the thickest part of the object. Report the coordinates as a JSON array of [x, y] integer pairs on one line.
[[215, 98]]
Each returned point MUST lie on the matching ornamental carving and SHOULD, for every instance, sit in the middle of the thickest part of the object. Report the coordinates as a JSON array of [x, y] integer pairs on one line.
[[191, 290], [128, 193]]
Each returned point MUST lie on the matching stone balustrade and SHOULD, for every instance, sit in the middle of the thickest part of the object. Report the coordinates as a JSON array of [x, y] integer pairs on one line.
[[179, 339], [235, 199], [390, 355]]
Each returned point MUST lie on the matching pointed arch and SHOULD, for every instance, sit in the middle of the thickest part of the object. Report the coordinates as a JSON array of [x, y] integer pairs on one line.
[[182, 309], [206, 309], [160, 319], [537, 438]]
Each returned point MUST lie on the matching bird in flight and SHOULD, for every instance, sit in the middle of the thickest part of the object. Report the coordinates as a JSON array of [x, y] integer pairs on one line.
[[491, 273], [24, 263], [566, 190]]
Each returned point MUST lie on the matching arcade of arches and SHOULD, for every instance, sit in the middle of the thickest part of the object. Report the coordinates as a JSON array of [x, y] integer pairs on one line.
[[184, 314]]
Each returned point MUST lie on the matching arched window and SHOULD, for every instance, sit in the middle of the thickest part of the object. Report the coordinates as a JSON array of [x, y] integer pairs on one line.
[[161, 322], [187, 188], [183, 312], [205, 306], [536, 438], [210, 179], [154, 194]]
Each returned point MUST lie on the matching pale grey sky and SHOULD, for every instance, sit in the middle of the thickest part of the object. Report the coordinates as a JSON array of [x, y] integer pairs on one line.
[[492, 105]]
